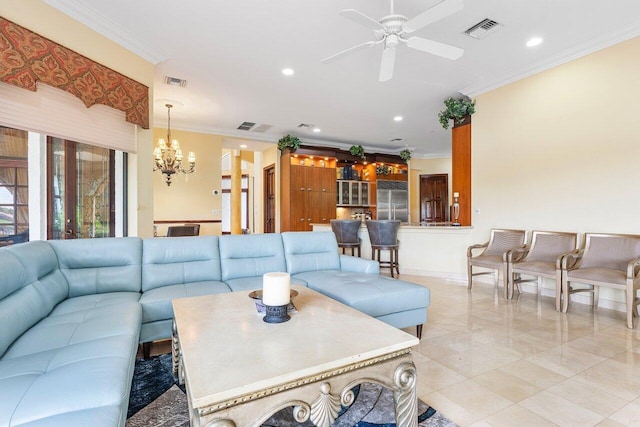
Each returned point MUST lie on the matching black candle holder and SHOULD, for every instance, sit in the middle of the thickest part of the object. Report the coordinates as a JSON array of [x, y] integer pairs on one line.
[[276, 314]]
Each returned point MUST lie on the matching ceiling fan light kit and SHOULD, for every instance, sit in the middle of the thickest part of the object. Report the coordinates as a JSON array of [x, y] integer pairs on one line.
[[393, 30]]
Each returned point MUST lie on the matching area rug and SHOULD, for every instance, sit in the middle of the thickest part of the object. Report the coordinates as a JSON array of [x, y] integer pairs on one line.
[[156, 401]]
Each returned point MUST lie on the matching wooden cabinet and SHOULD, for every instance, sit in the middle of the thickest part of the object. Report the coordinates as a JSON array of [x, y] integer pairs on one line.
[[308, 195]]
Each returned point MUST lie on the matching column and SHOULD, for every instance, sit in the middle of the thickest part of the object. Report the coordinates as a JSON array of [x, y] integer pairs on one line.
[[236, 192]]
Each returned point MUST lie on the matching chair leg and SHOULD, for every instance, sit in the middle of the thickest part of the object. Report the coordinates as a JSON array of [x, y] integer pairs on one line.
[[391, 261], [596, 296], [397, 262], [558, 289], [469, 275], [630, 297], [419, 331], [146, 350], [565, 294], [359, 256]]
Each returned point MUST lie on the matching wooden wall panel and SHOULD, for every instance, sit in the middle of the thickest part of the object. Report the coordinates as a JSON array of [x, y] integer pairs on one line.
[[461, 170]]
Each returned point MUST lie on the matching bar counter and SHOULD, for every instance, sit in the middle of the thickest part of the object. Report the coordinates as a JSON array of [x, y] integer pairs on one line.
[[437, 250]]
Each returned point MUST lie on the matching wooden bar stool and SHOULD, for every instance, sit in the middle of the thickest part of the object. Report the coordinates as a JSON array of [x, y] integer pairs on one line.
[[383, 235], [346, 231]]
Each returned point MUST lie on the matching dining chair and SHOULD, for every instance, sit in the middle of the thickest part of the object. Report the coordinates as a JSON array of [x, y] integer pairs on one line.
[[181, 230]]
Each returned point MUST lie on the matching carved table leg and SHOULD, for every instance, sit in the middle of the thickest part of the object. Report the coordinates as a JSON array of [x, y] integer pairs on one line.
[[405, 395]]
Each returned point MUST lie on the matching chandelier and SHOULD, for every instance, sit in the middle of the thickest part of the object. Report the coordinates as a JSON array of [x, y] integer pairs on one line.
[[168, 158]]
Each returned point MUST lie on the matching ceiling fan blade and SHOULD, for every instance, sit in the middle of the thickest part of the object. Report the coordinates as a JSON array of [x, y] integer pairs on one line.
[[362, 19], [435, 48], [348, 51], [436, 13], [386, 67]]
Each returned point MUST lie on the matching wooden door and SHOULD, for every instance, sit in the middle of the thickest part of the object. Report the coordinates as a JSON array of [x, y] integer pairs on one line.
[[434, 198], [269, 194]]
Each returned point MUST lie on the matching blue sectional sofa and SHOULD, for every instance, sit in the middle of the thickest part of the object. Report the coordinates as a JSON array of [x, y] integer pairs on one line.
[[73, 312]]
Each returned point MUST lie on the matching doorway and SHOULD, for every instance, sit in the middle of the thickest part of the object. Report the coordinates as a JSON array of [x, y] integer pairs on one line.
[[269, 199], [434, 198], [81, 185]]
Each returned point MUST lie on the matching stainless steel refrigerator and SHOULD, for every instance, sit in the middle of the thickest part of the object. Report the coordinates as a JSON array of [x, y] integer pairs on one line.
[[392, 200]]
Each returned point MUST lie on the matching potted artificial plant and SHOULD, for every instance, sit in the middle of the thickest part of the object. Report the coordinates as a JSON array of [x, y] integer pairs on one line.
[[456, 109], [405, 155], [357, 150], [289, 142]]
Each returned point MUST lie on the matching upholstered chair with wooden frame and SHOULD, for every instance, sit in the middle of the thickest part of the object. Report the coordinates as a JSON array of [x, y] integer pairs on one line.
[[181, 230], [540, 259], [611, 260], [494, 255]]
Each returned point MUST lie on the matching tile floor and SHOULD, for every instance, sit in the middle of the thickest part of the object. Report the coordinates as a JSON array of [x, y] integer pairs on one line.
[[485, 361]]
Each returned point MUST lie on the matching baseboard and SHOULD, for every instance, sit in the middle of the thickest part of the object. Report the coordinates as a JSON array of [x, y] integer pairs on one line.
[[461, 279]]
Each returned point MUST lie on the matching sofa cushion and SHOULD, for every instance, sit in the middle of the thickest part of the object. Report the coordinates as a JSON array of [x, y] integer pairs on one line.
[[368, 293], [78, 320], [156, 303], [179, 260], [80, 384], [311, 251], [255, 283], [30, 286], [251, 255], [110, 264]]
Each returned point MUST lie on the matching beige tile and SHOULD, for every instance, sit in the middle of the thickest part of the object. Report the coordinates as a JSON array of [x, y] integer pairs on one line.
[[533, 373], [478, 401], [613, 377], [560, 411], [566, 360], [608, 422], [506, 385], [587, 396], [449, 408], [516, 415], [437, 376], [628, 415], [607, 342], [480, 359], [526, 344]]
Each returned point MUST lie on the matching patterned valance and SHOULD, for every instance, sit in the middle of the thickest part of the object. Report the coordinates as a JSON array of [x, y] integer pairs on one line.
[[27, 58]]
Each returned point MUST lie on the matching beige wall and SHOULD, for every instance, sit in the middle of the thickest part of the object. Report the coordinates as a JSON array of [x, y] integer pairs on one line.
[[419, 167], [560, 150], [190, 197], [41, 18]]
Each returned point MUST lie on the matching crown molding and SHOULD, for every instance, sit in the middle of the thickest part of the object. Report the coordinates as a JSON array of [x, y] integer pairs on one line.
[[85, 14], [257, 136], [607, 40]]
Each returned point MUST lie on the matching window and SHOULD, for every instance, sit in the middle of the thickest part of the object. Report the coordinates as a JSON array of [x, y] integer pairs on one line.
[[14, 186]]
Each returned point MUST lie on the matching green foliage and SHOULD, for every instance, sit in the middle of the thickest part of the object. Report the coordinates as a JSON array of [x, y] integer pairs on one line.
[[357, 150], [290, 142], [457, 109], [405, 155]]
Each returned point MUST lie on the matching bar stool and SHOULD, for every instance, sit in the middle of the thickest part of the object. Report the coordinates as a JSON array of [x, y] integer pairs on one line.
[[383, 235], [346, 231]]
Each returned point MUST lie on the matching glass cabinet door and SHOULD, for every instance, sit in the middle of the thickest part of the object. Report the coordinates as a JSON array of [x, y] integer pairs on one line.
[[355, 193], [343, 192], [364, 193]]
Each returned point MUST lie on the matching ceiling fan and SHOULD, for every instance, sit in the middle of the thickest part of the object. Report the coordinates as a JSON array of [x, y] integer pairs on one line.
[[394, 29]]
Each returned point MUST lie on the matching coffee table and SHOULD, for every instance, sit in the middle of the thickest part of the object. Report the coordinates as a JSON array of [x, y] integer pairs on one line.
[[239, 370]]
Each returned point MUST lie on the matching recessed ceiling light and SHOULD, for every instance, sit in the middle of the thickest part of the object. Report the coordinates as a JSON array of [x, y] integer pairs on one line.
[[287, 71], [534, 41], [243, 145], [316, 130], [398, 118]]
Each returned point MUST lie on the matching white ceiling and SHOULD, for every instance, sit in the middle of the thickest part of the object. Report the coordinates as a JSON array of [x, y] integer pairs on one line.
[[232, 53]]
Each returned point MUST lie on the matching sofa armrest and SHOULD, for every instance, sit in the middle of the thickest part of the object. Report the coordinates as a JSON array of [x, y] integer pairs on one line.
[[359, 265]]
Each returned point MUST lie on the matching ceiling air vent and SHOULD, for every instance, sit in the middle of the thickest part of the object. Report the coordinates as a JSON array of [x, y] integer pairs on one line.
[[396, 140], [483, 28], [246, 125], [174, 81], [305, 125]]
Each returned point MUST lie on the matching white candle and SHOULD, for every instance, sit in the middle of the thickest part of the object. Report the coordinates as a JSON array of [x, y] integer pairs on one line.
[[456, 194], [276, 288]]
